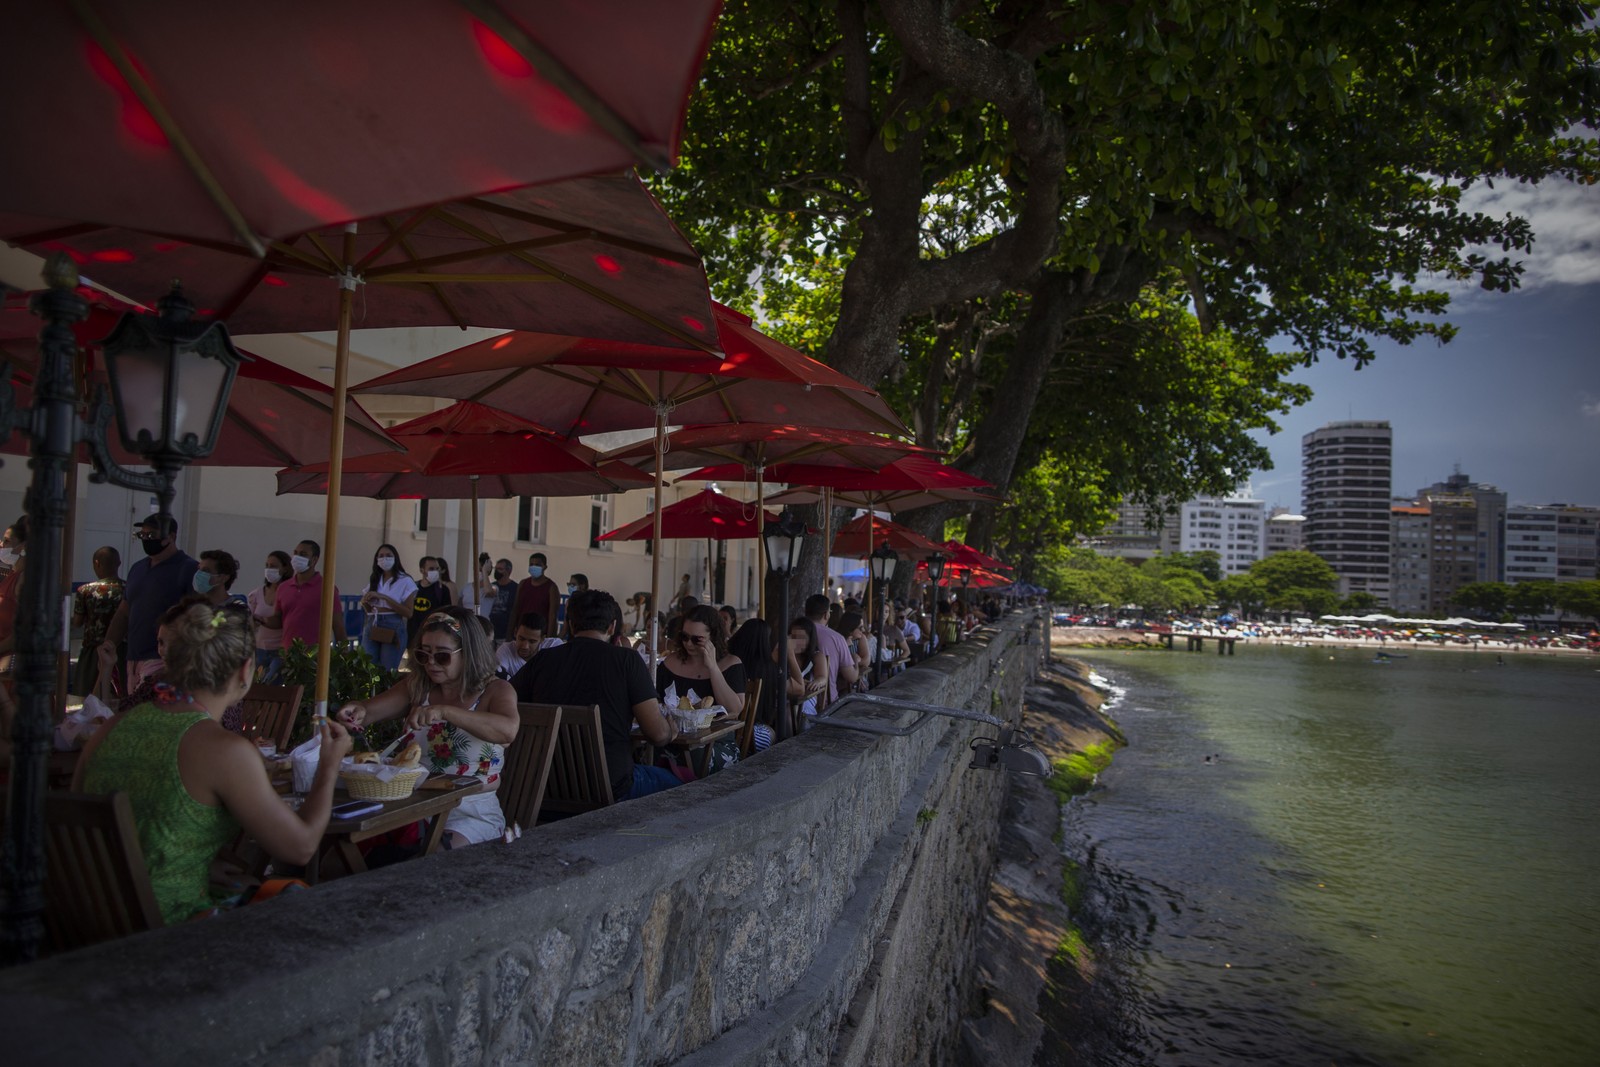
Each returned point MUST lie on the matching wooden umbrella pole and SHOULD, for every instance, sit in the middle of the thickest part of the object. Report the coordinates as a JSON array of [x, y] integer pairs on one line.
[[477, 575], [872, 583], [761, 543], [655, 543], [330, 530], [827, 539]]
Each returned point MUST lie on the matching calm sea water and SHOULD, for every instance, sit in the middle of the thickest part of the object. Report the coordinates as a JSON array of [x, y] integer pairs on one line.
[[1380, 864]]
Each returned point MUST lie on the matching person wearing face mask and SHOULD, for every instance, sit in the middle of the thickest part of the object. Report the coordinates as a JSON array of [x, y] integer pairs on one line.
[[299, 599], [93, 605], [263, 602], [502, 599], [430, 595], [213, 579], [388, 604], [538, 593], [155, 583]]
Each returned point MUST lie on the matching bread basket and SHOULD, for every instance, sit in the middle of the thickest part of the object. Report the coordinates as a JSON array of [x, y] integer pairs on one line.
[[370, 785]]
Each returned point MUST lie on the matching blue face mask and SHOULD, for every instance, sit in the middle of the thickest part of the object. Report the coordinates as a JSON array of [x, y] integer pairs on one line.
[[202, 582], [535, 571]]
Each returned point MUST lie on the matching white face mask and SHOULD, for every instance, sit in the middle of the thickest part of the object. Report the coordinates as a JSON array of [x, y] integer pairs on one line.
[[9, 557], [433, 576], [301, 564], [386, 563], [273, 574]]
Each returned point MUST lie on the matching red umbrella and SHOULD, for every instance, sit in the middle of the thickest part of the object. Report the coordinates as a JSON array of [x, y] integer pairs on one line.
[[709, 514], [576, 386], [862, 535], [964, 555], [259, 120], [275, 416], [895, 501], [469, 451]]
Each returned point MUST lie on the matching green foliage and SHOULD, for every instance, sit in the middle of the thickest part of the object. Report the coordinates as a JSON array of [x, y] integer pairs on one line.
[[1075, 775], [1359, 602], [1244, 593], [1530, 599], [1579, 598], [1297, 581], [351, 676], [1488, 600]]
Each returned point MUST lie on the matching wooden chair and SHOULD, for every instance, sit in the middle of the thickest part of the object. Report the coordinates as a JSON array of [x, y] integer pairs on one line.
[[270, 711], [527, 766], [752, 706], [579, 781], [97, 886]]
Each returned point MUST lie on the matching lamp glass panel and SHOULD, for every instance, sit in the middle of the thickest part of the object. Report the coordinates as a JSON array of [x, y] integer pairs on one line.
[[796, 546], [201, 382], [139, 385]]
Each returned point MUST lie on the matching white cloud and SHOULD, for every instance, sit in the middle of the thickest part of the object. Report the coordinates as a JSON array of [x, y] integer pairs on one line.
[[1590, 408], [1566, 223]]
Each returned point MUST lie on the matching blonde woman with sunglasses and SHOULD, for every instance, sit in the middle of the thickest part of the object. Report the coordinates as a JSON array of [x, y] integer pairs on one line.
[[458, 711]]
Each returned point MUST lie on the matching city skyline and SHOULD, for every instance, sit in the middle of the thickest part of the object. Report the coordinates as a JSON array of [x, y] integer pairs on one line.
[[1514, 399]]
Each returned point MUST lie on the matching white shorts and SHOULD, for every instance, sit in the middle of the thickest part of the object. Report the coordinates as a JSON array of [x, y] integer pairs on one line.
[[478, 819]]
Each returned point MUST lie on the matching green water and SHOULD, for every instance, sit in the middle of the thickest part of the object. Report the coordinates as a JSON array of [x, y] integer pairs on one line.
[[1390, 864]]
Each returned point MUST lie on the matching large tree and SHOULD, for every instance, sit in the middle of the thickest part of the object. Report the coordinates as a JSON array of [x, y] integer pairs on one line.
[[1298, 166]]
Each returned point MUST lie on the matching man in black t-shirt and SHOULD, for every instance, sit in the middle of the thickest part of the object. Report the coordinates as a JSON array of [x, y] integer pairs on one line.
[[505, 598], [588, 670]]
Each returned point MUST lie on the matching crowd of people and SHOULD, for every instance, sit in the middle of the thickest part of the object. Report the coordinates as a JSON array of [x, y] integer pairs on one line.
[[175, 647]]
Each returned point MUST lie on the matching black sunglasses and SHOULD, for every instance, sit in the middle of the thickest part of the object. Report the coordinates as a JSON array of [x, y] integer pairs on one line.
[[692, 639], [441, 656]]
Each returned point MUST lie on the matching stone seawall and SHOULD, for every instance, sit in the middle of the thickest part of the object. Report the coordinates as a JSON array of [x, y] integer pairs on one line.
[[815, 904]]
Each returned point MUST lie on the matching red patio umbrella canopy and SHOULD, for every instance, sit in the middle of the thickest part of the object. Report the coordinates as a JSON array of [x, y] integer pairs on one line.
[[275, 416], [755, 444], [855, 539], [963, 555], [910, 473], [253, 120], [579, 386], [706, 514]]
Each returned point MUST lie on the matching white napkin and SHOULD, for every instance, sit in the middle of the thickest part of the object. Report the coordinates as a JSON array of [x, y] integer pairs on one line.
[[73, 731], [304, 760]]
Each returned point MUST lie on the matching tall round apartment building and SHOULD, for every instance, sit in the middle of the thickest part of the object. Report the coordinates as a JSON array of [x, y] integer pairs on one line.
[[1346, 475]]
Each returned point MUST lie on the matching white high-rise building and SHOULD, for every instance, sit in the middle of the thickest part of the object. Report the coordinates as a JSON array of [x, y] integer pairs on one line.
[[1551, 542], [1234, 528], [1346, 484], [1285, 531]]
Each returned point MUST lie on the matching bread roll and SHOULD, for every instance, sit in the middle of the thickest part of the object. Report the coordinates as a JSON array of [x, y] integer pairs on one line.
[[410, 757], [708, 703], [366, 757]]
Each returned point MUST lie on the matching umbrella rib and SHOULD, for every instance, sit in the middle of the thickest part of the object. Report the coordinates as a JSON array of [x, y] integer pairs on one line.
[[616, 240], [169, 126], [396, 234], [333, 260], [420, 266], [557, 74], [326, 406], [438, 291], [582, 286], [286, 249], [283, 458]]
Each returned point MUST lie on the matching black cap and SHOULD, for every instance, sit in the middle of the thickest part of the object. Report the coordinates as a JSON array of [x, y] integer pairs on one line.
[[160, 522]]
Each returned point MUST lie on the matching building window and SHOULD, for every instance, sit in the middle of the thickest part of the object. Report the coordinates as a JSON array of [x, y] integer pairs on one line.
[[421, 524], [649, 509], [530, 519], [599, 520]]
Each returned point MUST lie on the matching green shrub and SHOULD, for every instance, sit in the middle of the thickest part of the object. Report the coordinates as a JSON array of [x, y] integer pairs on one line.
[[351, 676]]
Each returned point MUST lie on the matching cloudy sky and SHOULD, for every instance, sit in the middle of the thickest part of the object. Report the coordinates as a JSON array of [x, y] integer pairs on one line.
[[1514, 399]]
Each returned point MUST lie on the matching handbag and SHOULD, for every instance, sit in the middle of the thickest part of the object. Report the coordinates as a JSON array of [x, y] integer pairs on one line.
[[382, 635]]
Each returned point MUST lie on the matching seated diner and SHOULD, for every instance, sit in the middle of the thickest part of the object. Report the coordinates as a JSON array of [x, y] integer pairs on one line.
[[458, 711], [192, 784]]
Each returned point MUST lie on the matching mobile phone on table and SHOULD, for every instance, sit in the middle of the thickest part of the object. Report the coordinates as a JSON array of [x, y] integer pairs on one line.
[[355, 808]]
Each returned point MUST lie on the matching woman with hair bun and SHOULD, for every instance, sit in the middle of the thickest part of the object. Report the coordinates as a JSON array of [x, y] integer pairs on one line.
[[192, 784]]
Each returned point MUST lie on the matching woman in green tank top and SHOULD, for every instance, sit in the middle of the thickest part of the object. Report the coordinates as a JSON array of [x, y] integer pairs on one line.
[[193, 784]]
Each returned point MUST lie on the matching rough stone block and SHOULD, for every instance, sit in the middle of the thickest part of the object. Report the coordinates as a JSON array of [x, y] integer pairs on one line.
[[588, 1032], [609, 944], [511, 979], [467, 1035], [400, 1041], [552, 962]]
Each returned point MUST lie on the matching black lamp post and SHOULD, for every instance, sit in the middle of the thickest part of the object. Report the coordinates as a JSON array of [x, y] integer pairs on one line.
[[784, 539], [882, 563], [170, 379], [935, 572], [966, 595]]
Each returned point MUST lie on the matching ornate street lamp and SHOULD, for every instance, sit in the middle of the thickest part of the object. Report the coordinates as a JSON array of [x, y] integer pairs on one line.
[[170, 380], [785, 540], [881, 563]]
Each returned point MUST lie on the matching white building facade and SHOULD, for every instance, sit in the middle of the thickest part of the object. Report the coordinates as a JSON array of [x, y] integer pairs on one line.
[[1235, 529]]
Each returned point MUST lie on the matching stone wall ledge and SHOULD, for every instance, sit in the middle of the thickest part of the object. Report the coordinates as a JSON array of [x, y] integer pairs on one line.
[[741, 916]]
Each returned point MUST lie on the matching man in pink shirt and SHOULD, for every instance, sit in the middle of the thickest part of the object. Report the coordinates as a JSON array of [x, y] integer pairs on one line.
[[841, 664], [299, 600]]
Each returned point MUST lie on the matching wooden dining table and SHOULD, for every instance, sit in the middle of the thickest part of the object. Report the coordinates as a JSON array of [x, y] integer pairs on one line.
[[694, 747], [430, 804]]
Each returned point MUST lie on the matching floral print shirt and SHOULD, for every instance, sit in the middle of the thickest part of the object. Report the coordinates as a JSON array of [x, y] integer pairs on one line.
[[448, 749], [95, 602]]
